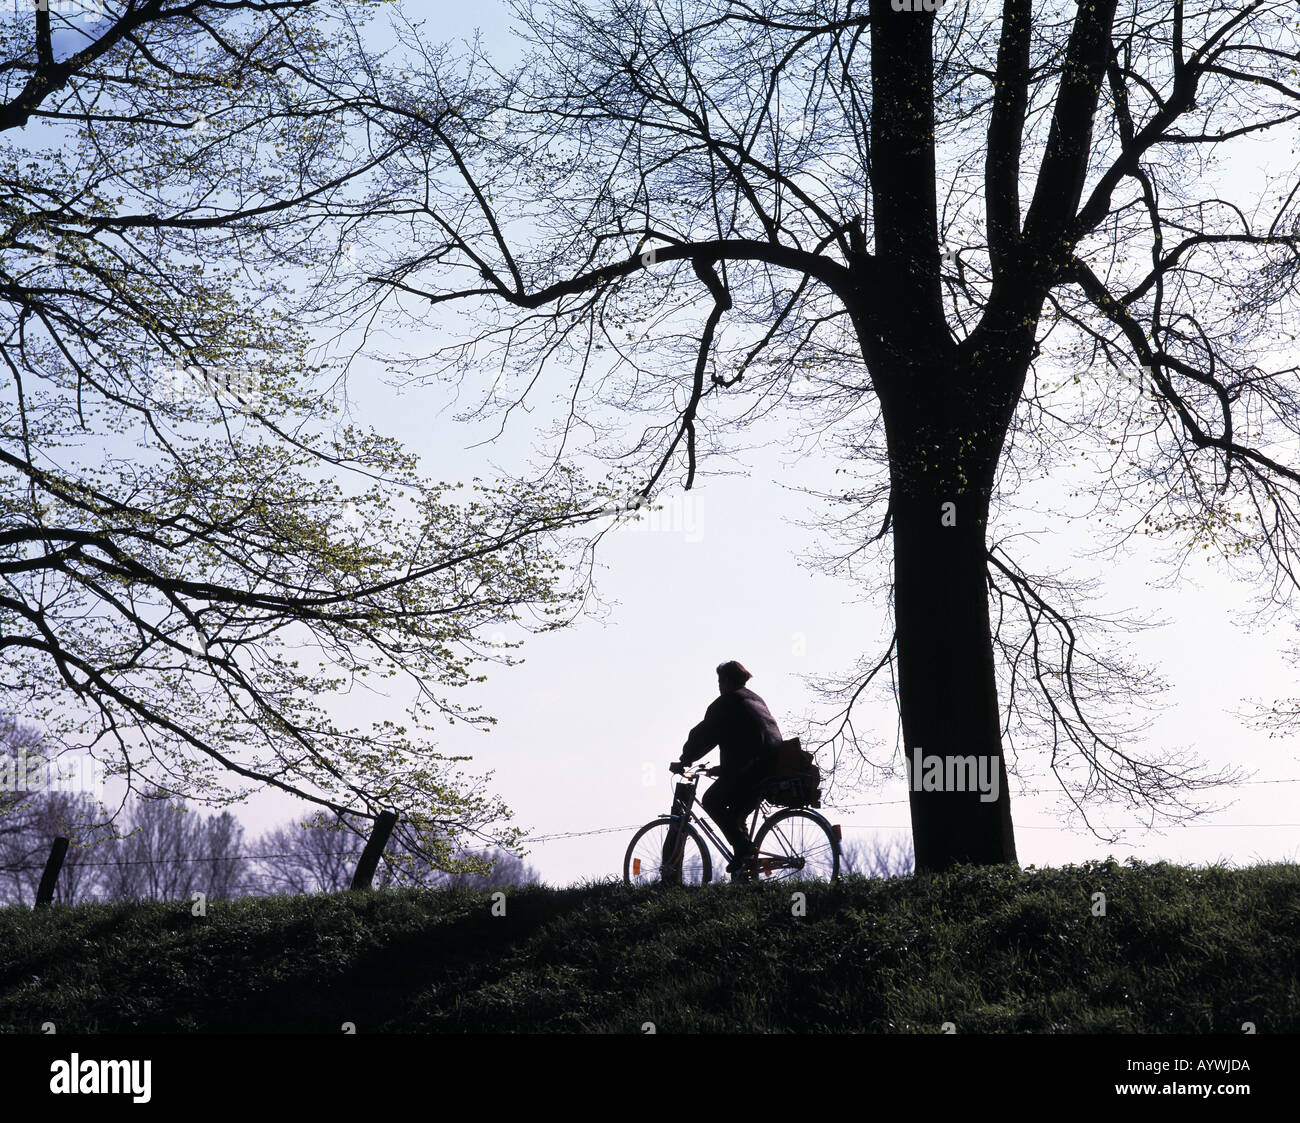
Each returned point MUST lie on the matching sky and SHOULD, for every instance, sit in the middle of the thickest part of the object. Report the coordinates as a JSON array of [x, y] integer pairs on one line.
[[587, 725]]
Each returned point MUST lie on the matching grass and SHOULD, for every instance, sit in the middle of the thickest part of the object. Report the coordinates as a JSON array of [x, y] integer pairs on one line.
[[1179, 950]]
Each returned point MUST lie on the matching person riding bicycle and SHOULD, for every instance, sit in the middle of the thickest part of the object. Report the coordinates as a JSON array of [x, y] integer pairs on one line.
[[739, 723]]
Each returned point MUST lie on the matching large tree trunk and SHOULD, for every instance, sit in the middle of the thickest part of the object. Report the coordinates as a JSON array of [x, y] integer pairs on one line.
[[945, 428], [947, 688], [945, 424], [946, 416]]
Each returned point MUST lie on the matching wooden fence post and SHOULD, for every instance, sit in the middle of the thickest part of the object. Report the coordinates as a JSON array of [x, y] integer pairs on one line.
[[374, 848], [45, 893]]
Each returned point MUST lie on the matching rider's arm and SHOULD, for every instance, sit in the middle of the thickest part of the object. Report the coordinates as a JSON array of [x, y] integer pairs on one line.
[[704, 736]]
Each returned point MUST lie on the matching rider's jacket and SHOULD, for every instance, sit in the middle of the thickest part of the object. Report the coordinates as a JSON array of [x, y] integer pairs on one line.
[[740, 724]]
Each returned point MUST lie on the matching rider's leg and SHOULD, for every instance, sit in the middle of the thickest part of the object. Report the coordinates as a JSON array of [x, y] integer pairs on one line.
[[670, 861], [747, 799], [727, 803]]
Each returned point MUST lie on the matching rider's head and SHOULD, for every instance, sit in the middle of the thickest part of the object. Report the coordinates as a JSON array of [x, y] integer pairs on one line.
[[731, 676]]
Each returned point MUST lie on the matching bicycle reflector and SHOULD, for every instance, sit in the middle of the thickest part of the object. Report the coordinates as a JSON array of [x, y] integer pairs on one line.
[[838, 836], [636, 866]]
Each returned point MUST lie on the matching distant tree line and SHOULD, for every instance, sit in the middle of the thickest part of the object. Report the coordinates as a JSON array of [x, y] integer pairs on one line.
[[890, 856], [160, 849]]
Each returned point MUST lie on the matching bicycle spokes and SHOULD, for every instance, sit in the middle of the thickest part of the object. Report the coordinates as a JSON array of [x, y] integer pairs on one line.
[[797, 846], [663, 854]]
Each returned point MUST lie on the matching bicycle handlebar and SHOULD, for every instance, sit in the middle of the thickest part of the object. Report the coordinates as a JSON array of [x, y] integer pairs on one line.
[[694, 771]]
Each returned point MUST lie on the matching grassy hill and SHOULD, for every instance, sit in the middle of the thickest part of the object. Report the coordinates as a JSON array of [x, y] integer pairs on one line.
[[1179, 950]]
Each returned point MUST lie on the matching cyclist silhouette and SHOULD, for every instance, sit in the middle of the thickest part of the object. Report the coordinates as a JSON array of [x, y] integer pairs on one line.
[[739, 723]]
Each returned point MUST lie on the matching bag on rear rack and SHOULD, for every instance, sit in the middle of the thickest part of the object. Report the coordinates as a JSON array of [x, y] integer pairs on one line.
[[795, 781]]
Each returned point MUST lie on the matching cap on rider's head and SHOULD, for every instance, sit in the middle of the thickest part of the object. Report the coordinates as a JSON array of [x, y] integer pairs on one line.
[[733, 674]]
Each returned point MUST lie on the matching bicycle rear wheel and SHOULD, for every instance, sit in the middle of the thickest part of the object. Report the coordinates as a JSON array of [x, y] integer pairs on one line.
[[797, 845], [644, 863]]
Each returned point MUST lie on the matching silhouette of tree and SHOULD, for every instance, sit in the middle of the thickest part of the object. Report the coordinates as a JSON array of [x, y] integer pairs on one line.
[[39, 801], [195, 551], [307, 856], [170, 852], [506, 871], [318, 855], [887, 856]]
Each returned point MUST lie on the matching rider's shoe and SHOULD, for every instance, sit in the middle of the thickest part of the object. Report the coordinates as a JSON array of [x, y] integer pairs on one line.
[[742, 868]]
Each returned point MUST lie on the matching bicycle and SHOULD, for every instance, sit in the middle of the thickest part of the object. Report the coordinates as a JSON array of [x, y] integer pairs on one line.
[[791, 843]]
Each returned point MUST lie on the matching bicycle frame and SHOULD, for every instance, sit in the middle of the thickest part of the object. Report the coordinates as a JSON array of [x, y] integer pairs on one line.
[[782, 854], [684, 811]]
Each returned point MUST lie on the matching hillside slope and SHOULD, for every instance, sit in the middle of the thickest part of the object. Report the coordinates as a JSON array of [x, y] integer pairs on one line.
[[1178, 950]]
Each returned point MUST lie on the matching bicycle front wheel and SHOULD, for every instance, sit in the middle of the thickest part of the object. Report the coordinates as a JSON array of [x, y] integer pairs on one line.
[[797, 845], [647, 862]]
